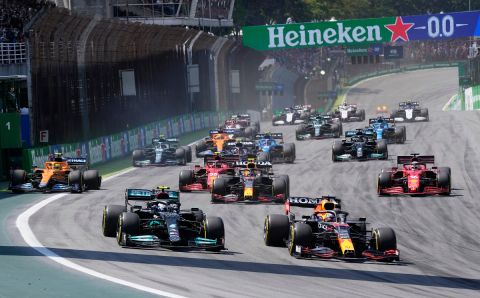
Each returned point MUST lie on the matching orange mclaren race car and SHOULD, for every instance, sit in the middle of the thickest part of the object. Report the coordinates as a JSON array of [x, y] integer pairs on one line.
[[59, 174], [214, 143], [328, 234]]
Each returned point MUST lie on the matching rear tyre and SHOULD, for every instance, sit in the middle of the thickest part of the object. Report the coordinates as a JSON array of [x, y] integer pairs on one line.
[[92, 179], [275, 229], [424, 113], [300, 235], [76, 178], [128, 225], [384, 239], [336, 131], [337, 149], [214, 229], [300, 130], [287, 183], [188, 153], [384, 181], [181, 156], [444, 179], [279, 187], [289, 152], [250, 132], [185, 178], [199, 147], [19, 177], [110, 219], [137, 155], [219, 188], [382, 148]]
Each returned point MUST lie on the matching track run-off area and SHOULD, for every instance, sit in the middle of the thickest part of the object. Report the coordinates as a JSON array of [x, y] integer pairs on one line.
[[437, 236]]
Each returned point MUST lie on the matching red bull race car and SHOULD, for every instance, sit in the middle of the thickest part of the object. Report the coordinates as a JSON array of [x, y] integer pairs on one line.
[[412, 176], [327, 233]]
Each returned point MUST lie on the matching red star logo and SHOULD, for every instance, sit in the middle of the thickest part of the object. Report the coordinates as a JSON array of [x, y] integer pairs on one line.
[[399, 29]]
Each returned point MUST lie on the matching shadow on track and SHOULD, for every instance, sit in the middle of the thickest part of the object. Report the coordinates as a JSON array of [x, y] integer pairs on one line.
[[282, 269]]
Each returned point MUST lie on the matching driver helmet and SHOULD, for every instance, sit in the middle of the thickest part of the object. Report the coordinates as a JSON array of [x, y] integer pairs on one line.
[[415, 165], [329, 217]]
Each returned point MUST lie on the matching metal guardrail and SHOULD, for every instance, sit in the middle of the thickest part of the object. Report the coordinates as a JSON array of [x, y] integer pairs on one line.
[[13, 53]]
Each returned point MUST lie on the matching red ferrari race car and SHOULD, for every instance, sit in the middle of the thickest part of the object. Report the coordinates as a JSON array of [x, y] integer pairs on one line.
[[413, 177], [201, 178]]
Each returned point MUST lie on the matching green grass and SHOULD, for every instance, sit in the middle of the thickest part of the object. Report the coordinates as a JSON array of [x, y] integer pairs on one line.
[[122, 163]]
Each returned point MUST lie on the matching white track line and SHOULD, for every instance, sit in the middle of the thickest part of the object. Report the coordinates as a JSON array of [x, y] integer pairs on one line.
[[445, 107], [27, 234]]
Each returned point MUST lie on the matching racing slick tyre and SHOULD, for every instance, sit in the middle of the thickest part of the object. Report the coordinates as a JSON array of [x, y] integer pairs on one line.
[[110, 219], [362, 114], [279, 187], [219, 187], [185, 178], [199, 147], [214, 229], [289, 152], [300, 235], [424, 113], [92, 179], [287, 182], [257, 126], [249, 132], [181, 156], [18, 177], [300, 130], [76, 178], [188, 151], [274, 119], [444, 179], [198, 214], [384, 181], [382, 148], [275, 229], [400, 135], [128, 224], [383, 239], [263, 156], [136, 156], [337, 149]]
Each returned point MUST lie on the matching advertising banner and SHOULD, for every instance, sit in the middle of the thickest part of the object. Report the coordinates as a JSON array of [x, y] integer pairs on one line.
[[362, 31], [393, 52]]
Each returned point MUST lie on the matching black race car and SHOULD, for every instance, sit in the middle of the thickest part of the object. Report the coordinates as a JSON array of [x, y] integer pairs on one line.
[[327, 233], [410, 111], [153, 218], [319, 127], [162, 152], [360, 145]]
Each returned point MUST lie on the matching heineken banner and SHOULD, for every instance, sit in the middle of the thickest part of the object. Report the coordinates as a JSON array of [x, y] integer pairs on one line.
[[362, 31]]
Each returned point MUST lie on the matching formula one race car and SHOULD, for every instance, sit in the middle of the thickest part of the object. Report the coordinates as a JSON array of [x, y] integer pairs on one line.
[[348, 113], [153, 218], [272, 148], [214, 143], [59, 174], [327, 233], [242, 124], [385, 129], [201, 178], [413, 177], [359, 145], [253, 182], [410, 111], [319, 127], [240, 148], [289, 116], [162, 152]]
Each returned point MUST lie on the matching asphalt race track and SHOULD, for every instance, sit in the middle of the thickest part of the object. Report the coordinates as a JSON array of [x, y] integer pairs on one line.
[[438, 236]]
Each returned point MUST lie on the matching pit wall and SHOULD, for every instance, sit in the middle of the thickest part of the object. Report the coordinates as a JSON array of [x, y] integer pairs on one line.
[[106, 148]]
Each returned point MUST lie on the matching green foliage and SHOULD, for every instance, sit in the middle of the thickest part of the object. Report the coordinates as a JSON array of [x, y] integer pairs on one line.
[[261, 12]]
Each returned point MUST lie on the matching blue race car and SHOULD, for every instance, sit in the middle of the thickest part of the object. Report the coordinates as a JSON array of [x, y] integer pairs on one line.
[[271, 148], [385, 129]]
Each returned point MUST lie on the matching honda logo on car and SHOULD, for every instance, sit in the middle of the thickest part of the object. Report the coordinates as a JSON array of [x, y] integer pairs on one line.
[[303, 200]]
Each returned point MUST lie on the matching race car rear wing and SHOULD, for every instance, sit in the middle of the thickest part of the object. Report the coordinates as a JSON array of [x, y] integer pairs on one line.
[[275, 135], [388, 120], [430, 159], [352, 133], [223, 158], [76, 161], [258, 164], [226, 130], [138, 194], [412, 103]]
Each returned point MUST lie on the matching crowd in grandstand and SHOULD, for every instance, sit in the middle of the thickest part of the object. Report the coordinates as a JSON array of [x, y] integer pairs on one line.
[[14, 15]]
